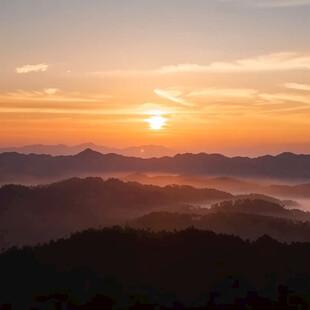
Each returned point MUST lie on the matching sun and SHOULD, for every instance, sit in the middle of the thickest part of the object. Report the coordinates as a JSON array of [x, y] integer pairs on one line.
[[156, 122]]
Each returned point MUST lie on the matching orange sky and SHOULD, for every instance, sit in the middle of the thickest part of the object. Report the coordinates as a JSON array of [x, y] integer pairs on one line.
[[224, 76]]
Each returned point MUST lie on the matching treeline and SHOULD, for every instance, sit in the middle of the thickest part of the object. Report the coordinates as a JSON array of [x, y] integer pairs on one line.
[[245, 225], [259, 206], [136, 269]]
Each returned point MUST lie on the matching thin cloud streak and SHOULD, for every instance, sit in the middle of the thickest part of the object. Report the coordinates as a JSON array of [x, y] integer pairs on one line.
[[279, 98], [220, 93], [297, 86], [284, 61], [221, 101], [60, 111], [173, 95], [51, 95]]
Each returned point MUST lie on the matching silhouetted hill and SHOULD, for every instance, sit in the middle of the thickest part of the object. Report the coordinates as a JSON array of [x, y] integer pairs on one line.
[[143, 151], [250, 204], [221, 183], [133, 269], [247, 218], [259, 206], [36, 214], [285, 166], [225, 184], [298, 191], [246, 225]]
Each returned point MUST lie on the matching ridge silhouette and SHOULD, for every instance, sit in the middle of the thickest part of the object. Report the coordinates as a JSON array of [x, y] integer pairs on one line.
[[283, 166]]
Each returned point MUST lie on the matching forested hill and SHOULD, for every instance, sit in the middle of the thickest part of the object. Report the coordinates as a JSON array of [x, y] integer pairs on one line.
[[246, 225], [36, 214]]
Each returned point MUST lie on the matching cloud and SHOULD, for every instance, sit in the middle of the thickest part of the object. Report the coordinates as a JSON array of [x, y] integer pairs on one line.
[[53, 101], [297, 86], [64, 111], [236, 101], [51, 91], [51, 95], [224, 93], [214, 94], [32, 68], [280, 98], [173, 95], [233, 99], [272, 3], [272, 62], [284, 61]]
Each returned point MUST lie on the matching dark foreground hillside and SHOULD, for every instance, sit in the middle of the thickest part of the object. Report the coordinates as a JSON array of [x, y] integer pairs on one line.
[[133, 269]]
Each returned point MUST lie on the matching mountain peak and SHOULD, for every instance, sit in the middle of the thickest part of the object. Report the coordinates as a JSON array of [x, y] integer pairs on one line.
[[88, 152], [287, 154]]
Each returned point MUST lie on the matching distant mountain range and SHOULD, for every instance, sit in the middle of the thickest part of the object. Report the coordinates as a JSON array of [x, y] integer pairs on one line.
[[14, 166], [143, 151]]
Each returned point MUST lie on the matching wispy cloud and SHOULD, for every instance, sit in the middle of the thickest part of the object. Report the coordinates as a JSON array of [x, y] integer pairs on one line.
[[55, 103], [297, 86], [32, 68], [280, 98], [51, 95], [224, 93], [202, 96], [214, 101], [174, 95], [284, 61], [271, 62], [237, 101]]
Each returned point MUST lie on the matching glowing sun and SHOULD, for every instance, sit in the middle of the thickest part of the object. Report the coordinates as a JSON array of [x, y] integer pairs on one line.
[[156, 122]]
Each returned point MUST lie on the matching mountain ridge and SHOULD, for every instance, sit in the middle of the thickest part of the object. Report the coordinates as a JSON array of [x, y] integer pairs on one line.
[[143, 151], [90, 162]]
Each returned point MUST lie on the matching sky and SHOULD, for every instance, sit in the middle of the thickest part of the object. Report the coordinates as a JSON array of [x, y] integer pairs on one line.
[[225, 76]]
